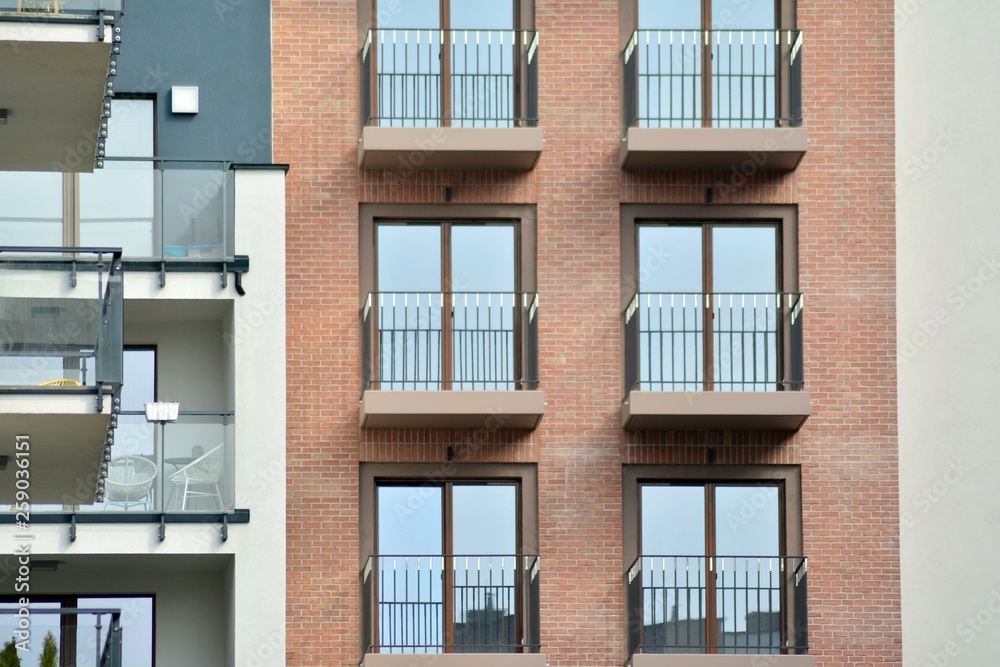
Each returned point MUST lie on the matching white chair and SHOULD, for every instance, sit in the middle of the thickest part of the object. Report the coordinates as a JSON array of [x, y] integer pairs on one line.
[[130, 482], [203, 473]]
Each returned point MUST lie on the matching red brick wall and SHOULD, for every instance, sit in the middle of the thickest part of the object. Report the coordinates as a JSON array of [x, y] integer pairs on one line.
[[844, 190]]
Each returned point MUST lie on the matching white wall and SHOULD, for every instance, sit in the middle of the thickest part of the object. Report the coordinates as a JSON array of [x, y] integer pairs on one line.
[[948, 213], [242, 604]]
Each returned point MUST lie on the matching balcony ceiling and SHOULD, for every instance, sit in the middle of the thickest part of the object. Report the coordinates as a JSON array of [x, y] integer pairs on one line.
[[52, 82]]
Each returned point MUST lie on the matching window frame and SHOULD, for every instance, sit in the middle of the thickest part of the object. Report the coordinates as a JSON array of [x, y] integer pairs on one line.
[[788, 478], [371, 215], [522, 215], [634, 216], [372, 475], [628, 23]]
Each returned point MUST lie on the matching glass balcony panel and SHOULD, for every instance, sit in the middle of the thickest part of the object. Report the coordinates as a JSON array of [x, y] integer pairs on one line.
[[184, 466], [194, 211], [31, 209], [117, 207]]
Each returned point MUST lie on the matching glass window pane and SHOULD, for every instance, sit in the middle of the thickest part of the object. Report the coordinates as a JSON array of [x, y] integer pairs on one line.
[[41, 626], [747, 520], [673, 520], [484, 536], [670, 258], [31, 209], [137, 630], [743, 14], [482, 258], [744, 259], [669, 14], [408, 569], [484, 519], [671, 315], [409, 14], [745, 309], [674, 568], [478, 15], [409, 520], [139, 386], [409, 258], [749, 572]]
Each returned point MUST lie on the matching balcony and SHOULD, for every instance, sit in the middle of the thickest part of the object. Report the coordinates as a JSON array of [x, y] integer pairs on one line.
[[185, 467], [743, 112], [450, 611], [449, 99], [72, 631], [450, 360], [60, 366], [58, 59], [714, 361], [176, 212], [724, 611]]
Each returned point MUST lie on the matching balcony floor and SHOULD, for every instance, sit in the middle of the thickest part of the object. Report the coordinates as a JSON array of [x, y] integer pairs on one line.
[[666, 410], [683, 660], [491, 410], [516, 148], [746, 150]]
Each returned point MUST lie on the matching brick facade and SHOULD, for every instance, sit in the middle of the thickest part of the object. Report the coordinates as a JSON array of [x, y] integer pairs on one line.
[[847, 448]]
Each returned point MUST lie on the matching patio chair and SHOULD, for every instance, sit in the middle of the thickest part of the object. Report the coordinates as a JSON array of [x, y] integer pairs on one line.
[[61, 382], [130, 482], [200, 478]]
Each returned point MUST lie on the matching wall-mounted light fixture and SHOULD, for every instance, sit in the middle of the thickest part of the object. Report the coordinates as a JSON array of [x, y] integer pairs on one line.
[[3, 116], [184, 99]]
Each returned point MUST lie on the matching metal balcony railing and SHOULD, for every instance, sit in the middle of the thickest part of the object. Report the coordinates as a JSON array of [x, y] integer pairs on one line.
[[53, 342], [717, 604], [713, 78], [453, 604], [460, 78], [450, 340], [106, 625], [713, 341], [153, 208]]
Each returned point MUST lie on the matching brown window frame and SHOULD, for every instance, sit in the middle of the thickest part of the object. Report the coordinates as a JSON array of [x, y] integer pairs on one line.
[[785, 19], [523, 218], [523, 19], [447, 475], [788, 479], [633, 216]]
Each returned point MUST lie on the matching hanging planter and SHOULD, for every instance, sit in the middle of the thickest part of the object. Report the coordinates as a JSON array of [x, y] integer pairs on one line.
[[162, 412]]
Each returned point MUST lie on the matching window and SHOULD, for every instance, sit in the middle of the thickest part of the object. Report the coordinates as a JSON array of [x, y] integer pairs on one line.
[[712, 310], [711, 63], [450, 63], [80, 637], [449, 309], [465, 270], [450, 572], [714, 572]]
